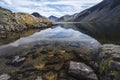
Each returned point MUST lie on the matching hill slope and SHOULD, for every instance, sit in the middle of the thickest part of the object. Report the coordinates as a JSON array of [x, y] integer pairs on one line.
[[106, 11]]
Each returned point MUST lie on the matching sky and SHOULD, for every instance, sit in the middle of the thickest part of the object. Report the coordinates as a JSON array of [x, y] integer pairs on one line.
[[48, 7]]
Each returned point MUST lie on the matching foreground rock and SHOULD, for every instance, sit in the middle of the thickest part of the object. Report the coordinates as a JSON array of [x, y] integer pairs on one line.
[[109, 68], [4, 77], [81, 71]]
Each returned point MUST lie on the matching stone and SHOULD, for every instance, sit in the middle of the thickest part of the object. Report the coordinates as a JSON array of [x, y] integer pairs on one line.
[[17, 61], [81, 71], [5, 77], [39, 78]]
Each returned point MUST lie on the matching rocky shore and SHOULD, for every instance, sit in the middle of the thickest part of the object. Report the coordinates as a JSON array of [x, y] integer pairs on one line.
[[15, 22], [52, 62]]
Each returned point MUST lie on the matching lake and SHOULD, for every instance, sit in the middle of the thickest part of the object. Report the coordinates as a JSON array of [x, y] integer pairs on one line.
[[47, 52]]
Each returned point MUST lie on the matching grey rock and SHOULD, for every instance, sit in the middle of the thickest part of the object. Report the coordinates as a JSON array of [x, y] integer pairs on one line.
[[81, 71], [5, 77], [115, 65], [111, 49]]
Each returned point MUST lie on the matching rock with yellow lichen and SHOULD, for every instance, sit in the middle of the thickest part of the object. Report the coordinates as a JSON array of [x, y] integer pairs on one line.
[[10, 21]]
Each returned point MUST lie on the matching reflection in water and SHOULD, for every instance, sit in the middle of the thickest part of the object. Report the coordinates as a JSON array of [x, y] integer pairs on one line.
[[6, 38], [57, 33], [103, 32], [51, 35]]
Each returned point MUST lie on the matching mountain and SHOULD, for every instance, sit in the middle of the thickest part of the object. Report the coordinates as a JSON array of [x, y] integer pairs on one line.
[[37, 15], [67, 18], [10, 21], [105, 11], [53, 18], [64, 18]]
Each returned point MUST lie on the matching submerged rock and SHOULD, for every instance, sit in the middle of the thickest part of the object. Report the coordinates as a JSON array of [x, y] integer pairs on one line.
[[50, 76], [81, 71], [88, 51], [17, 61]]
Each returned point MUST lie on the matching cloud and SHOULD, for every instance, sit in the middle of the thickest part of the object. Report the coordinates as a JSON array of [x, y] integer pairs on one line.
[[48, 7]]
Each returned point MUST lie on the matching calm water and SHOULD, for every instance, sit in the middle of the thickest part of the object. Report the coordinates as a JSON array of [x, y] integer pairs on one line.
[[104, 33], [64, 33], [53, 48]]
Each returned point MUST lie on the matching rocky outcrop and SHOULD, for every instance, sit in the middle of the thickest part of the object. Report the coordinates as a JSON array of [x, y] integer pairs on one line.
[[28, 20], [106, 11], [8, 21], [19, 21]]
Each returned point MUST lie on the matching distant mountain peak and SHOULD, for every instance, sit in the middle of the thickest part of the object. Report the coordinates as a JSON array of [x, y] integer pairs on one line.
[[36, 14], [53, 18]]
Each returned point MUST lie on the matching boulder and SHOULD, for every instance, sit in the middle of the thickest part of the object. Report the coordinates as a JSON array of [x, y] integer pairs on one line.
[[81, 71], [5, 77]]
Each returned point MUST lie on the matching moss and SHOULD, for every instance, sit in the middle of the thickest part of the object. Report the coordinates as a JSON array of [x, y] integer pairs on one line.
[[40, 66], [116, 74], [22, 22], [105, 65], [27, 20], [50, 76]]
